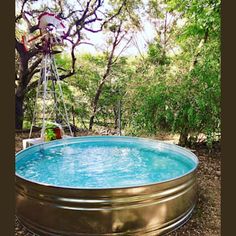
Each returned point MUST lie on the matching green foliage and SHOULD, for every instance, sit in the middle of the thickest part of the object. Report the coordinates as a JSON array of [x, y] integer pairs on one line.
[[181, 94], [157, 55], [49, 134], [161, 91]]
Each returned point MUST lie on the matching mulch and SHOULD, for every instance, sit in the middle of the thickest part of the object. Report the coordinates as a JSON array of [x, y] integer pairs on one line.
[[206, 217]]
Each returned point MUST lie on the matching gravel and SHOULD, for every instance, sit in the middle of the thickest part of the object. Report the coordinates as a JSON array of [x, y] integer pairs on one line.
[[206, 217]]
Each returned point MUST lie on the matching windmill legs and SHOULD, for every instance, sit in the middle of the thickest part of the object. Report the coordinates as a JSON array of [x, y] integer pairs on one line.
[[50, 106]]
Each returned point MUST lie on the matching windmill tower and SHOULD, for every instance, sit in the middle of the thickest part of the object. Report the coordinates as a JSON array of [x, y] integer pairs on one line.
[[50, 106]]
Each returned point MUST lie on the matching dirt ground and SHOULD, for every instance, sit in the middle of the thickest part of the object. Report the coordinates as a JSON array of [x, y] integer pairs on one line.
[[206, 218]]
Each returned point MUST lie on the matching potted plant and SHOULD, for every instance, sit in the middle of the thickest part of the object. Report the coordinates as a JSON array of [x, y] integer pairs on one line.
[[53, 132]]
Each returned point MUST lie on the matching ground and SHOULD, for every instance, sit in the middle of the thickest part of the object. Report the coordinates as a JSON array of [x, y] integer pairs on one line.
[[206, 218]]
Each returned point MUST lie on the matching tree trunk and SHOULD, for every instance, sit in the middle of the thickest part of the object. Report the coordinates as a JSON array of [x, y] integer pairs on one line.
[[115, 118], [106, 74], [91, 122], [183, 139], [19, 112], [95, 102]]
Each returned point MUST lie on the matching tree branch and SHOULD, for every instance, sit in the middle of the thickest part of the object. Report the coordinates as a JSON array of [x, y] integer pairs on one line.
[[32, 68], [199, 48], [122, 50], [105, 22]]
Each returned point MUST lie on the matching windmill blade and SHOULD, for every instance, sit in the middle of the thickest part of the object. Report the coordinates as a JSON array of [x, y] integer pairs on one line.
[[52, 32], [49, 19]]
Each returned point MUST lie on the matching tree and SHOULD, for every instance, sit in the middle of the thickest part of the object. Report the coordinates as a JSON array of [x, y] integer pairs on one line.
[[126, 24], [82, 17], [176, 87], [201, 31], [118, 36]]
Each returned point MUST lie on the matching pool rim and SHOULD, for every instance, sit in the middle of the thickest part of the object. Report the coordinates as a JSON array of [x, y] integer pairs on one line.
[[191, 171]]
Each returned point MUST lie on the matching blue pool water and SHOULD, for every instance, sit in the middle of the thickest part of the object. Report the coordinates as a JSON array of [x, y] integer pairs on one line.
[[103, 162]]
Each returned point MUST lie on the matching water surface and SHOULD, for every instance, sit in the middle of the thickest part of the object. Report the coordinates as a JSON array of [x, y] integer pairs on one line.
[[103, 162]]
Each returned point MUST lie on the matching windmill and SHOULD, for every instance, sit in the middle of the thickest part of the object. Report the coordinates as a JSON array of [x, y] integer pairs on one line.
[[50, 106]]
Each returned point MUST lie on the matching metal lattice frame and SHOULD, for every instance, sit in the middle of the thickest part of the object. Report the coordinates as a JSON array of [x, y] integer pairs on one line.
[[48, 100]]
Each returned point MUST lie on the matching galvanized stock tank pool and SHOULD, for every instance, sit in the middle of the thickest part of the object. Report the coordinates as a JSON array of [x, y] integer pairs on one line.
[[105, 185]]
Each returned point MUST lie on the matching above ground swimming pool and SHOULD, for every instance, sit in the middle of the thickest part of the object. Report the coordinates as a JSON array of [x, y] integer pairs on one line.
[[105, 185]]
